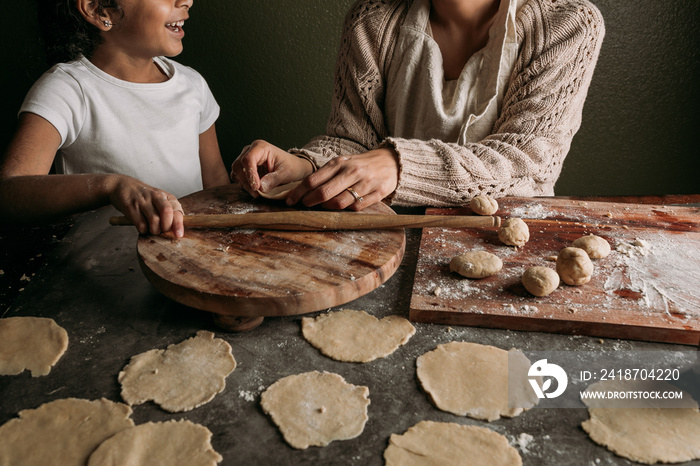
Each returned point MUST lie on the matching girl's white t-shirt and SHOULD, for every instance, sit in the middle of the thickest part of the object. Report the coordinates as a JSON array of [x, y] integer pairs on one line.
[[149, 131]]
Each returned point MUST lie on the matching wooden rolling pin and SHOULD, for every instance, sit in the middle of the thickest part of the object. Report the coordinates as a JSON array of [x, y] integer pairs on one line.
[[316, 220]]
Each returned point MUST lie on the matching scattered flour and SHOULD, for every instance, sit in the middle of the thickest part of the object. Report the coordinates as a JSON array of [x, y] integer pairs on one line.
[[531, 211], [654, 270], [232, 208], [247, 395], [524, 440], [638, 247]]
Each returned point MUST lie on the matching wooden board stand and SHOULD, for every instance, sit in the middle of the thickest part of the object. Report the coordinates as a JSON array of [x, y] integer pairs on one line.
[[647, 289], [244, 275]]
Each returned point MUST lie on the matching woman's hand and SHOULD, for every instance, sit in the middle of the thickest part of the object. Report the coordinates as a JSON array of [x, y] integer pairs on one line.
[[354, 181], [262, 166], [150, 209]]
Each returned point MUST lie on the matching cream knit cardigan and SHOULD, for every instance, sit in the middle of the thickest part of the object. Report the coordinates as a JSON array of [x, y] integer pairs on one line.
[[559, 45]]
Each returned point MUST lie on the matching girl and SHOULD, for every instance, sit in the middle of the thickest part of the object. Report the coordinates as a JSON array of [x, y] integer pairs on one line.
[[121, 123], [437, 101]]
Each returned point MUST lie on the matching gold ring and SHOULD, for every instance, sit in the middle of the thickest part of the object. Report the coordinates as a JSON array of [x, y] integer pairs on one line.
[[357, 197]]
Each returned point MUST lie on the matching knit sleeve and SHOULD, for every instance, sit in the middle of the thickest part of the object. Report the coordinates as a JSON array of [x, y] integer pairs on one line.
[[542, 107], [356, 123]]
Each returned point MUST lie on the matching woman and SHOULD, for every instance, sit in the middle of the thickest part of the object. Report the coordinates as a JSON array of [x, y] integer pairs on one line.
[[438, 101]]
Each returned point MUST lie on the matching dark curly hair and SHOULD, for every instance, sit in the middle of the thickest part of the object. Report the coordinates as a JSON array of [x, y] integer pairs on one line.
[[65, 32]]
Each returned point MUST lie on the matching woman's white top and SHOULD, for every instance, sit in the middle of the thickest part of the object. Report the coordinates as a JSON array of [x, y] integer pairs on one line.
[[421, 104]]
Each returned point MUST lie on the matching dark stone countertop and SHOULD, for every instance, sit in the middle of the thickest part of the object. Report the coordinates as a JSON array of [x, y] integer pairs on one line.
[[90, 283]]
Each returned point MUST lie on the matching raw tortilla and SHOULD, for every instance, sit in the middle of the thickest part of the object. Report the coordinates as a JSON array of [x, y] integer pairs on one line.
[[33, 343], [447, 443], [182, 377], [280, 192], [69, 429], [315, 408], [475, 380], [355, 336], [645, 435], [172, 443]]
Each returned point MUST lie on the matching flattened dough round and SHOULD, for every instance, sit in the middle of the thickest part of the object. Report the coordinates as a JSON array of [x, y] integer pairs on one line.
[[315, 408], [182, 377], [171, 443], [472, 380], [69, 429], [476, 264], [436, 443], [280, 192], [355, 336], [33, 343], [645, 435]]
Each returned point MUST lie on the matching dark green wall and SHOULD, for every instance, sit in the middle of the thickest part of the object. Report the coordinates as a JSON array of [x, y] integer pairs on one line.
[[640, 123], [270, 66]]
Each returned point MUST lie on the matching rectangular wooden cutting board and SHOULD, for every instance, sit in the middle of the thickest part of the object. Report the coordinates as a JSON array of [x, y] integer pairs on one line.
[[648, 288]]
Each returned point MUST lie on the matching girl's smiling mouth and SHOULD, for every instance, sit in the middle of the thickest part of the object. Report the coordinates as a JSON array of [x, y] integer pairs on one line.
[[176, 26]]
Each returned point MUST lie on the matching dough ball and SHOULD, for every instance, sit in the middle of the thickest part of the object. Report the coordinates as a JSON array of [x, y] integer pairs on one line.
[[483, 205], [514, 232], [476, 264], [540, 281], [595, 246], [574, 266]]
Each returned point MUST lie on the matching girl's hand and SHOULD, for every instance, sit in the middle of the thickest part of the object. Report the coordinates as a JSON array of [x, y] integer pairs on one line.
[[354, 181], [262, 166], [150, 209]]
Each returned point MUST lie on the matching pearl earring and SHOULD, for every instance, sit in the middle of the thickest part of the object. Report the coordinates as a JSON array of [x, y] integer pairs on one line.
[[108, 24]]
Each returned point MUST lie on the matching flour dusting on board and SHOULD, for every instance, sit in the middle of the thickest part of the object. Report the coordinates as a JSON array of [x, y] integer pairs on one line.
[[238, 209], [530, 211], [652, 268], [645, 289]]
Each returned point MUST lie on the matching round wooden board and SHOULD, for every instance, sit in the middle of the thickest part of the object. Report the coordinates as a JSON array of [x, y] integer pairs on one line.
[[255, 273]]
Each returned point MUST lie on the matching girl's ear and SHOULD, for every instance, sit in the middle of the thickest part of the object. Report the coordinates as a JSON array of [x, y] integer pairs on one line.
[[93, 14]]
